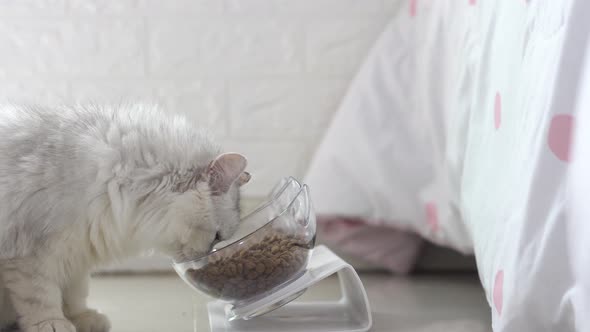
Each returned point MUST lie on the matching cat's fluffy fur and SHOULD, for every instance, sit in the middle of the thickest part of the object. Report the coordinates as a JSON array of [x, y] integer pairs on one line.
[[83, 186]]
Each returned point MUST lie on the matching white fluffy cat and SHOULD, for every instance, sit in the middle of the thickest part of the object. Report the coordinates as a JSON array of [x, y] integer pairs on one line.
[[84, 186]]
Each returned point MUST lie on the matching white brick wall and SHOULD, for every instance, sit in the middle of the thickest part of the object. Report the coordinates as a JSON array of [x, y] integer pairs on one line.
[[264, 75]]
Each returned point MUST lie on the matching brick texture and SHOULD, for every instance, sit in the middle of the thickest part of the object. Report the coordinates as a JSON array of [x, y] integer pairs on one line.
[[264, 76]]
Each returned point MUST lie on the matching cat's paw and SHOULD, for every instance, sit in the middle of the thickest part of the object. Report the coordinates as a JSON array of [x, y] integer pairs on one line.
[[51, 325], [91, 321]]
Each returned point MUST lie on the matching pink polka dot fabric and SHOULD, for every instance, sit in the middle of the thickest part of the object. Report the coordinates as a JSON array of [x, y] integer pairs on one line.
[[461, 127], [497, 111], [498, 291], [560, 136], [432, 216], [413, 7]]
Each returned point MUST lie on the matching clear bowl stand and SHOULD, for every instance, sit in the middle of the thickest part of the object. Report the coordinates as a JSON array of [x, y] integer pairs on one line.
[[275, 312]]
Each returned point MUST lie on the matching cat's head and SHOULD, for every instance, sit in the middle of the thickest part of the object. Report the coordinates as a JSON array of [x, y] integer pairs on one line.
[[206, 210]]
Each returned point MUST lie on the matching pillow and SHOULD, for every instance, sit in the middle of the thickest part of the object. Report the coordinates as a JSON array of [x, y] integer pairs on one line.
[[381, 246]]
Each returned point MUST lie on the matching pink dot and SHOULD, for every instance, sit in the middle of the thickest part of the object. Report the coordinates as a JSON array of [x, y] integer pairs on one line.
[[560, 136], [497, 110], [499, 291], [413, 4], [432, 216], [472, 2]]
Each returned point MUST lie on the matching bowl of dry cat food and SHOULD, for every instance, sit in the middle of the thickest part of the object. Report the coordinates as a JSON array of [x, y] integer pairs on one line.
[[270, 249]]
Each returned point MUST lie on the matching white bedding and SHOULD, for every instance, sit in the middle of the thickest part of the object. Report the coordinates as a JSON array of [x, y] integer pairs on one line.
[[579, 182], [459, 127]]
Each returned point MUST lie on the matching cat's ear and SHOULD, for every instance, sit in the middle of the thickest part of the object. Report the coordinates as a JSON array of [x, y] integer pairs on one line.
[[225, 170], [244, 178]]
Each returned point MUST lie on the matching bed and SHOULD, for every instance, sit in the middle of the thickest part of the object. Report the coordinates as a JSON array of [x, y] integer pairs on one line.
[[464, 128]]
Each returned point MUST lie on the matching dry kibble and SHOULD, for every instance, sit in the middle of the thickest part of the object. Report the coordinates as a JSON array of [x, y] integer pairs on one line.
[[252, 271], [227, 272], [268, 264]]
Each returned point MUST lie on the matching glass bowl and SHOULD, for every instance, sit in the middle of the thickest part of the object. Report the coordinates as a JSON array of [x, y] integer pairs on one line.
[[273, 247]]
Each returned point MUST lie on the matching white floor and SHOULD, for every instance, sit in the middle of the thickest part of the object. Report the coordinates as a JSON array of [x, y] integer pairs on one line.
[[418, 304]]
